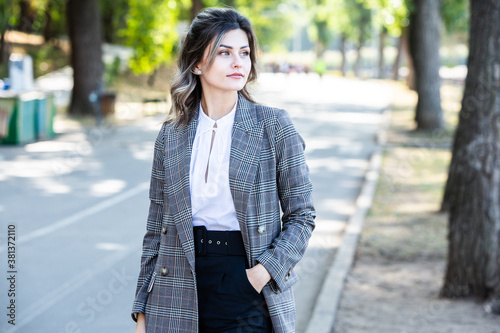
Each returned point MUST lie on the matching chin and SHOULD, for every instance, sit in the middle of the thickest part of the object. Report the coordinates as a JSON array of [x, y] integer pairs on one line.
[[235, 87]]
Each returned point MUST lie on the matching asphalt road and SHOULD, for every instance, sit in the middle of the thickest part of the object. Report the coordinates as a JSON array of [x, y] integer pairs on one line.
[[79, 205]]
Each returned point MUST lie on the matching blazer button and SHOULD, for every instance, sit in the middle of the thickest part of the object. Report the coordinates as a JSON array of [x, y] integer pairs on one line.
[[164, 230], [261, 229], [164, 271]]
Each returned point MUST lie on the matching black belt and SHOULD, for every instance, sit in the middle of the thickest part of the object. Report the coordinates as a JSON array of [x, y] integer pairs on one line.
[[218, 242]]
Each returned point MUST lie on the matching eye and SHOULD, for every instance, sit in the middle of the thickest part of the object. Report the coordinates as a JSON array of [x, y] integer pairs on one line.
[[224, 52], [245, 53]]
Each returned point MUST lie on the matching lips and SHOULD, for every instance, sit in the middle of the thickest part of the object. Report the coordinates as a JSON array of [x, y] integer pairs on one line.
[[236, 75]]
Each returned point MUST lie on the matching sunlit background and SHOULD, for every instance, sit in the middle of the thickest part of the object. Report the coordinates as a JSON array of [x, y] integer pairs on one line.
[[363, 38], [85, 88]]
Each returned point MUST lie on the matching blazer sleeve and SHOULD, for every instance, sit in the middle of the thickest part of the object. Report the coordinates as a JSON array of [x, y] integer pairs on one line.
[[151, 241], [295, 194]]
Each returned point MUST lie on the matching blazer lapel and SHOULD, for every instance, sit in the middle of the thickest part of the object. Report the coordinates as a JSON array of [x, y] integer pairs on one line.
[[177, 159], [245, 150]]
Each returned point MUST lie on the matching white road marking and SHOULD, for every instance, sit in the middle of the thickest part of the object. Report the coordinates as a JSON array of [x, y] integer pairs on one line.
[[84, 213]]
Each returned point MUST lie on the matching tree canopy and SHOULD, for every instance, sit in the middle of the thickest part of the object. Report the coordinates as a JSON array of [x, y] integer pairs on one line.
[[153, 28]]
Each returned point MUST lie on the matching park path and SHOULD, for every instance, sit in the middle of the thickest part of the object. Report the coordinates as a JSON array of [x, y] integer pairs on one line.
[[79, 203], [339, 120]]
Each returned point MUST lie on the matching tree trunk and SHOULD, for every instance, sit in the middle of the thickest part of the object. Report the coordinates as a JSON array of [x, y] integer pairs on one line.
[[108, 28], [47, 26], [86, 52], [4, 49], [425, 22], [405, 41], [152, 78], [343, 66], [197, 6], [397, 61], [381, 47], [26, 17], [357, 63], [322, 42], [363, 24], [473, 186], [6, 13]]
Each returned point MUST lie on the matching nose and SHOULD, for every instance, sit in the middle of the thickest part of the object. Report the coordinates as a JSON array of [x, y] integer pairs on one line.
[[237, 62]]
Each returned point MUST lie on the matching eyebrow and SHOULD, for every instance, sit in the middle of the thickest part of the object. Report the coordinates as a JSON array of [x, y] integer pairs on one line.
[[230, 47]]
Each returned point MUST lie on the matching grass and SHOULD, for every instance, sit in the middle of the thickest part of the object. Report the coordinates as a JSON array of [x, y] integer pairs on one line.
[[135, 88], [402, 131], [404, 223]]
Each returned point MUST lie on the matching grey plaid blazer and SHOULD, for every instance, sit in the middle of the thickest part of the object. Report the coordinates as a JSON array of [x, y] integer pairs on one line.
[[267, 168]]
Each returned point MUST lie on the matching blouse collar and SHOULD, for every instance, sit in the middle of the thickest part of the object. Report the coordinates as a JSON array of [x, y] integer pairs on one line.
[[206, 121]]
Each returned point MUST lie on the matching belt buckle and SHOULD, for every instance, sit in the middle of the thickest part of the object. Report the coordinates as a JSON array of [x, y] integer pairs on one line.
[[200, 236]]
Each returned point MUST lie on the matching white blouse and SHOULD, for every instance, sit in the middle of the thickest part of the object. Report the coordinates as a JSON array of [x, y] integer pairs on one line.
[[211, 200]]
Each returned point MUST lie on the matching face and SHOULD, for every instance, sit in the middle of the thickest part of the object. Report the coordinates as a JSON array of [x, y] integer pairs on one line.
[[231, 67]]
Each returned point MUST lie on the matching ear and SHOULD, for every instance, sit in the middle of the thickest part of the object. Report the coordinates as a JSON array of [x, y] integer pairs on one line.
[[197, 71]]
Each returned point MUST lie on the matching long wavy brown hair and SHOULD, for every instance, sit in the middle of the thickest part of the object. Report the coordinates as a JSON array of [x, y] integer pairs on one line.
[[207, 30]]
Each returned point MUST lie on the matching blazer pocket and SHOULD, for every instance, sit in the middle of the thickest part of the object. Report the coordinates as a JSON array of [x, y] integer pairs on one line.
[[152, 282]]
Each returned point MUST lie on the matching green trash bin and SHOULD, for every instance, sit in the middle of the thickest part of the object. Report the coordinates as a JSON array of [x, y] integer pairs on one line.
[[22, 120], [6, 110], [41, 116], [50, 115]]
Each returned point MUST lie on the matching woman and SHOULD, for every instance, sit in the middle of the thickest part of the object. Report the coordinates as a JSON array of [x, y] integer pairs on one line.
[[216, 256]]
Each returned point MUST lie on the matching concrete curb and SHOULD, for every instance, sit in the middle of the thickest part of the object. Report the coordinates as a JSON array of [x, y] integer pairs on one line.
[[328, 301]]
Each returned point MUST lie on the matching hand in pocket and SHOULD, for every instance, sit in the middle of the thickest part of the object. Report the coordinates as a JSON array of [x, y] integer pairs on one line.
[[258, 276]]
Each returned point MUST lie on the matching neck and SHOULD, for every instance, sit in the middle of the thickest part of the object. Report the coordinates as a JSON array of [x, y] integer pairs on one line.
[[218, 105]]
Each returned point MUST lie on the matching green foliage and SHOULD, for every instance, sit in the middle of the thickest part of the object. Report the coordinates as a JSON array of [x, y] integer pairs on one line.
[[39, 7], [320, 67], [10, 15], [9, 11], [112, 71], [392, 15], [455, 14], [152, 32], [361, 17], [272, 20], [153, 27], [323, 15], [113, 15], [351, 18], [46, 58], [57, 12]]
